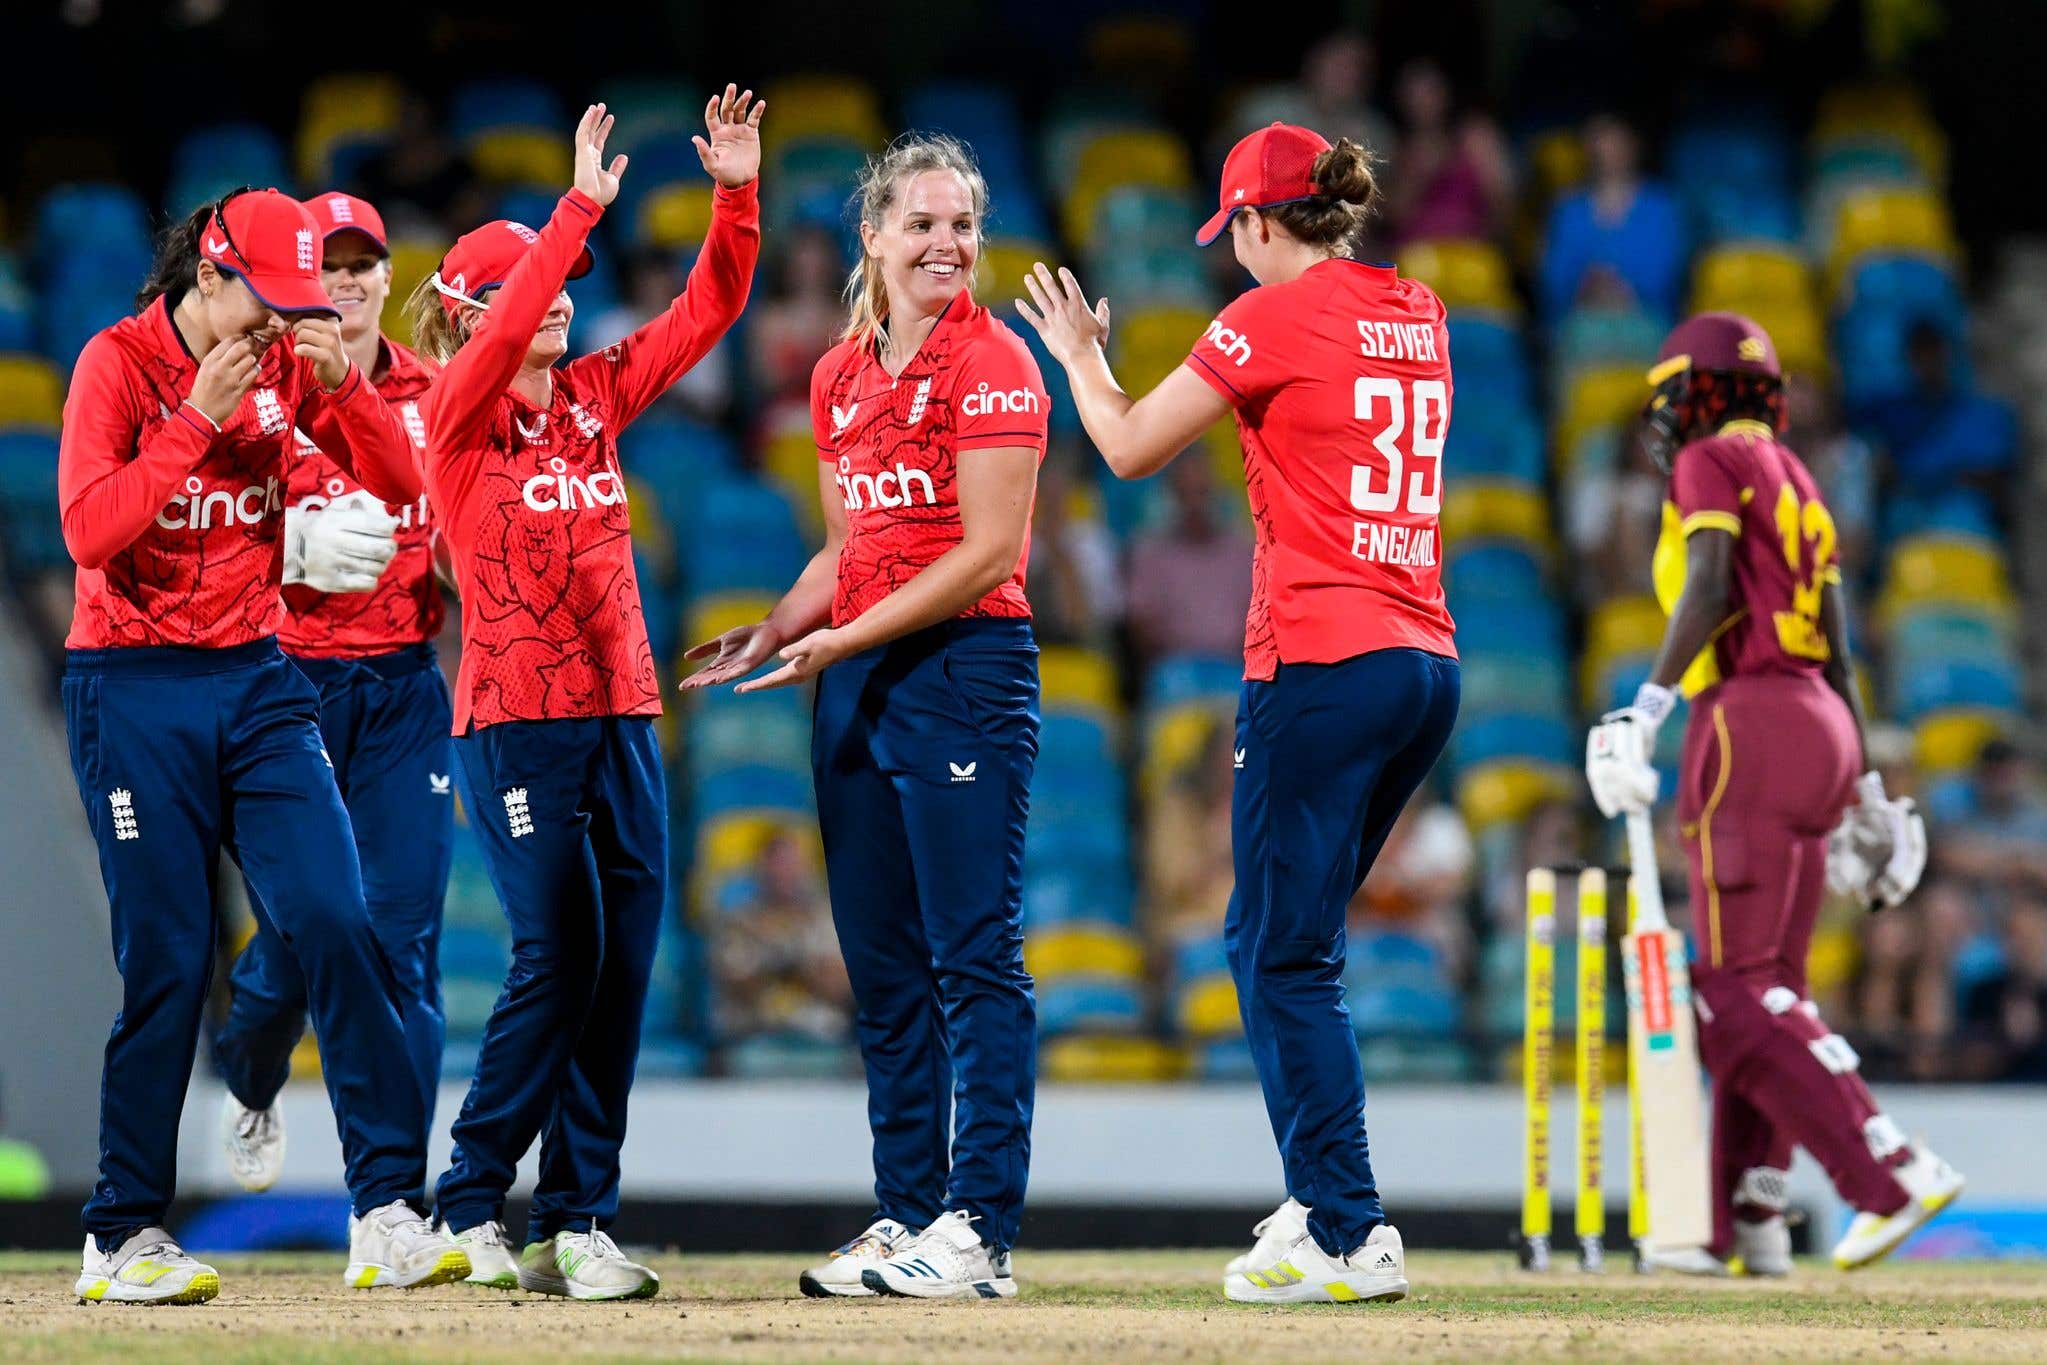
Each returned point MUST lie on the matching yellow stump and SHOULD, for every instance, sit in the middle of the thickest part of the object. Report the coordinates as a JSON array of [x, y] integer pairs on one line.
[[1538, 1030], [1590, 1209], [1638, 1189]]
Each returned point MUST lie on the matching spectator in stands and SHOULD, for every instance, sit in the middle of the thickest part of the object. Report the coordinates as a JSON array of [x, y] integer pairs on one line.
[[1187, 869], [1994, 831], [1421, 881], [1904, 996], [773, 954], [1942, 439], [1620, 241], [653, 280], [2006, 1014], [796, 324], [1453, 176], [1332, 96], [1612, 512], [1076, 593], [1190, 583]]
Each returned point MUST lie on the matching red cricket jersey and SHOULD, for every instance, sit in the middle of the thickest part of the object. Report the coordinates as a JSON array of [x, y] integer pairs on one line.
[[178, 530], [1341, 382], [532, 500], [405, 606], [1746, 482], [896, 443]]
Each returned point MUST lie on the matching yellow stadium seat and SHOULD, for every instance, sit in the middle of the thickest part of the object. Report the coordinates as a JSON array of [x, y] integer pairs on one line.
[[1610, 395], [1945, 569], [1207, 1008], [1077, 679], [810, 106], [1111, 1060], [729, 843], [1893, 113], [651, 531], [1492, 793], [1153, 342], [1004, 263], [720, 612], [1618, 627], [522, 156], [790, 461], [1949, 741], [1122, 156], [1142, 45], [1888, 219], [1464, 273], [676, 217], [1741, 277], [1831, 961], [1173, 741], [1559, 160], [1478, 508], [1799, 331], [338, 107], [31, 392], [1084, 950], [412, 260]]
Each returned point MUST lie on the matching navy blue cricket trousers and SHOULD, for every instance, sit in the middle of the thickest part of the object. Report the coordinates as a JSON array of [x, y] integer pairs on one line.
[[923, 750], [385, 721], [1329, 753], [573, 819], [180, 753]]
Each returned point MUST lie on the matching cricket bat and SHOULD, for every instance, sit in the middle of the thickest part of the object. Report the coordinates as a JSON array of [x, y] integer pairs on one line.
[[1663, 1060]]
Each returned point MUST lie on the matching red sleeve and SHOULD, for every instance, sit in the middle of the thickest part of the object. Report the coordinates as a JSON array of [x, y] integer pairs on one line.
[[109, 486], [824, 426], [636, 371], [1000, 398], [1239, 353], [469, 386], [355, 428], [1705, 487]]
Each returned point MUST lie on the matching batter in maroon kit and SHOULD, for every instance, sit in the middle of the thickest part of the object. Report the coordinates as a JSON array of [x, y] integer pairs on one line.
[[1747, 568]]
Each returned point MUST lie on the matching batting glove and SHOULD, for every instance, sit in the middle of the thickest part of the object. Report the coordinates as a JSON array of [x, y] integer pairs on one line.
[[1617, 752]]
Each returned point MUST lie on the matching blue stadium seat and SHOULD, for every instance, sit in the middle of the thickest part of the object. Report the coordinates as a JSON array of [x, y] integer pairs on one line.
[[1492, 570], [1494, 439], [209, 162], [1545, 738], [754, 787], [1069, 741], [1731, 148], [482, 106], [1929, 685], [1403, 1010], [1732, 213], [1498, 683], [757, 546], [1490, 357], [1511, 628], [1917, 285], [84, 220], [1193, 677], [1088, 1004], [1093, 891]]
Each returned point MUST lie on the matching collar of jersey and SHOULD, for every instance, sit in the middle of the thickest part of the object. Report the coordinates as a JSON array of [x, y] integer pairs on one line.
[[946, 316], [168, 337]]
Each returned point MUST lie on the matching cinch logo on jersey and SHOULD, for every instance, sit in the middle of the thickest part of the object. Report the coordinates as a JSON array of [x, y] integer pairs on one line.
[[1398, 340], [518, 819], [197, 510], [1412, 547], [561, 491], [1229, 341], [121, 804], [890, 488], [984, 401]]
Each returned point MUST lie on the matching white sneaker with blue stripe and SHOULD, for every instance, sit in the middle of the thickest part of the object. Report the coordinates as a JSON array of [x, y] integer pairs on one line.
[[947, 1260], [839, 1276]]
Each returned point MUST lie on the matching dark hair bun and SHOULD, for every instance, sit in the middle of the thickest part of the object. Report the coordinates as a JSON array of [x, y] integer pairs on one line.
[[1344, 173]]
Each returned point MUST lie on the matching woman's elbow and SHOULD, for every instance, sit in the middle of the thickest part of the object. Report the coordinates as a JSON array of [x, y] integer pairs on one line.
[[86, 550]]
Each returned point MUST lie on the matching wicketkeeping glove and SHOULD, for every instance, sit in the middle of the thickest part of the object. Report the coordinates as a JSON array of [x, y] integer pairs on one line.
[[1618, 748], [342, 547]]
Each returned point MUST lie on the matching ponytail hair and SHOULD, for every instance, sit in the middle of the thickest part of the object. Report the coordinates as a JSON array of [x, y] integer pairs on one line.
[[435, 334], [175, 267], [1347, 182], [881, 183]]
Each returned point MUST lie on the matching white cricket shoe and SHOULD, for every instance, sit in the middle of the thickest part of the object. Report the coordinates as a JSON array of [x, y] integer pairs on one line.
[[1762, 1248], [584, 1265], [1275, 1232], [1932, 1185], [254, 1139], [1304, 1273], [948, 1260], [839, 1276], [490, 1260], [150, 1267], [1682, 1261], [394, 1248]]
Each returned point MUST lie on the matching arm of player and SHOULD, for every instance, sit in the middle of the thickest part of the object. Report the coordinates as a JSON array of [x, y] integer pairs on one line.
[[806, 607], [1840, 667], [109, 488], [996, 487], [1137, 437], [350, 422], [1701, 608], [643, 366]]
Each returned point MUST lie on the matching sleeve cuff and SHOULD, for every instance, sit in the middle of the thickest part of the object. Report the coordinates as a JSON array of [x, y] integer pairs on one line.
[[1712, 520], [197, 420], [584, 203], [351, 384], [749, 193], [995, 440]]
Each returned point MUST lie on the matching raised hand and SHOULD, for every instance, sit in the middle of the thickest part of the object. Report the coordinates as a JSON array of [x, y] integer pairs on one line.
[[736, 653], [225, 377], [317, 337], [807, 658], [1063, 318], [733, 152], [593, 177]]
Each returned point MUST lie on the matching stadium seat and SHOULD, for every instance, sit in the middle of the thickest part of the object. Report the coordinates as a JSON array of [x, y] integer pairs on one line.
[[1464, 273], [1077, 949], [1507, 570], [1119, 157], [1078, 679], [1089, 1004], [1738, 275], [477, 107], [834, 106], [1494, 684], [1602, 338], [676, 217], [31, 392], [1493, 440], [343, 120], [1882, 112], [754, 789], [521, 156], [1930, 685], [1618, 627], [1948, 570], [1949, 741], [1599, 397], [1497, 627], [210, 161], [1507, 791], [1891, 221], [1491, 359], [732, 737], [1083, 1058], [1004, 263], [1485, 509], [651, 108], [97, 219]]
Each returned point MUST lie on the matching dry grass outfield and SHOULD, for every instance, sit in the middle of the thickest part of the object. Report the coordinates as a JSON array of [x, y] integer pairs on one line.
[[1076, 1306]]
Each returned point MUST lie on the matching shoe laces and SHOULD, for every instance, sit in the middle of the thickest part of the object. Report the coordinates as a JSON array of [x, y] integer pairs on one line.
[[598, 1243], [491, 1234], [254, 1125], [398, 1217]]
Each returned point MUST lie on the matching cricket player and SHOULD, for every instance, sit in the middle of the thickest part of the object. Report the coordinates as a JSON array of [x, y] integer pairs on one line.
[[930, 419], [555, 701], [1338, 373], [190, 731], [1747, 569], [362, 608]]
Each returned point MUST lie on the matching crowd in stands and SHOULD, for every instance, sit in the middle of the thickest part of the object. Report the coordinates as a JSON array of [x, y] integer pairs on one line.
[[1564, 249]]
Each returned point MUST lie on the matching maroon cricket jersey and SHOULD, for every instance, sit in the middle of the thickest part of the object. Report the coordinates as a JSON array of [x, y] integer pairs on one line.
[[532, 500], [405, 606], [1746, 482], [178, 527], [896, 443]]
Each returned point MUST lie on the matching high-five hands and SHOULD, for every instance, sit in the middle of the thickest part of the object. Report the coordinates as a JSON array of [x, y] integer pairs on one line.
[[1063, 318], [732, 152], [593, 177]]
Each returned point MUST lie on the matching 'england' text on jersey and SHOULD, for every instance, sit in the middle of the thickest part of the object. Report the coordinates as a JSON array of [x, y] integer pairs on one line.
[[1411, 546]]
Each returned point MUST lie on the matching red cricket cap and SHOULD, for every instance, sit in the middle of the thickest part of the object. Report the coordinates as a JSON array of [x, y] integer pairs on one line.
[[268, 240], [335, 212], [1275, 165], [1718, 341], [482, 259]]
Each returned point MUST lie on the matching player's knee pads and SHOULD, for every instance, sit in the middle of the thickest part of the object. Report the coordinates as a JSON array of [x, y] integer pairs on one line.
[[1764, 1187]]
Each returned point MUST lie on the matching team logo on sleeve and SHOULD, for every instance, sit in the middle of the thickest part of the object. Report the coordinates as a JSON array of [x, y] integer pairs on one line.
[[1231, 342]]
